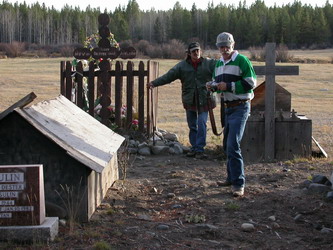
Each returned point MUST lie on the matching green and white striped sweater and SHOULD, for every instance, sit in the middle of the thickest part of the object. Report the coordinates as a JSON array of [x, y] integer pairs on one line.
[[239, 75]]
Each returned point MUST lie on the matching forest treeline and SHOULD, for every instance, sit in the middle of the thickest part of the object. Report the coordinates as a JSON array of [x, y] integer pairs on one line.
[[295, 25]]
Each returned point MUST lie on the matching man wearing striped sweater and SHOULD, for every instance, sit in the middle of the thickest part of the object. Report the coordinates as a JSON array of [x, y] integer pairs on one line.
[[235, 78]]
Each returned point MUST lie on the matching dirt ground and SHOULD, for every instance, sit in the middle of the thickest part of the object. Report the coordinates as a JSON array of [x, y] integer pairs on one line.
[[173, 202]]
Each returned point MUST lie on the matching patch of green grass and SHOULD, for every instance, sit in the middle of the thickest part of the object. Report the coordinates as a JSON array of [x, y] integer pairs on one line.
[[301, 160], [102, 245], [119, 222], [92, 234], [232, 206], [195, 218], [297, 160], [110, 211], [288, 163]]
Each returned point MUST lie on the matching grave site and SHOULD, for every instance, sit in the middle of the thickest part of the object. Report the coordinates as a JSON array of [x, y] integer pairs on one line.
[[127, 200]]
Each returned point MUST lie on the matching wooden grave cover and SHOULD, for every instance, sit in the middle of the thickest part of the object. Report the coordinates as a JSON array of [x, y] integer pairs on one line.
[[282, 98]]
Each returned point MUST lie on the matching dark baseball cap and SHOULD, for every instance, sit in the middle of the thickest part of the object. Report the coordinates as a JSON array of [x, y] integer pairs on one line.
[[193, 46]]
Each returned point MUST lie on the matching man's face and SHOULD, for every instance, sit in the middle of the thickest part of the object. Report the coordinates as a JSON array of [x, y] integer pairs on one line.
[[195, 54], [226, 51]]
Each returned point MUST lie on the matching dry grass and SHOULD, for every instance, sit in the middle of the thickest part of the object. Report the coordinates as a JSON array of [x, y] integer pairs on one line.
[[312, 92], [19, 77]]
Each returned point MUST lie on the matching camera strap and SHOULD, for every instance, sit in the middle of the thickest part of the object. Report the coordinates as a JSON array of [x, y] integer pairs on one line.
[[211, 116]]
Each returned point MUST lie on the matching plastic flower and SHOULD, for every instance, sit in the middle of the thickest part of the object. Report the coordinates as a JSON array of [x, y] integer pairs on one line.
[[91, 41], [123, 113], [135, 124]]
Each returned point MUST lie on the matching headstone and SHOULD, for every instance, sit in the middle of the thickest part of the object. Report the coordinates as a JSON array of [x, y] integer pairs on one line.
[[22, 205], [22, 199]]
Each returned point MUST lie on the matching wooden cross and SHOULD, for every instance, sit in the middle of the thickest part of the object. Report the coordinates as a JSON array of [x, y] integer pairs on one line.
[[270, 71]]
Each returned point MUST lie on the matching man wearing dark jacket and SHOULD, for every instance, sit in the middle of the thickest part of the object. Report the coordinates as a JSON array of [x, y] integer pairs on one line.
[[193, 73]]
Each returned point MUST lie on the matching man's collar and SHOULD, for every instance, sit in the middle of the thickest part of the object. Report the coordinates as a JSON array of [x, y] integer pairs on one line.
[[189, 60], [234, 55]]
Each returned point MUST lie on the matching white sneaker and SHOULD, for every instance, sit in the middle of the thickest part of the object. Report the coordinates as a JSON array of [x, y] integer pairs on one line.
[[237, 191]]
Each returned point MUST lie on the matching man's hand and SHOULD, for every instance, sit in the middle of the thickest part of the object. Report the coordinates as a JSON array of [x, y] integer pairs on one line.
[[209, 85], [150, 85], [222, 86]]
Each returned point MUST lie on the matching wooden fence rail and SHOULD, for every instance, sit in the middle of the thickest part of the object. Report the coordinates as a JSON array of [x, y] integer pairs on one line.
[[100, 82]]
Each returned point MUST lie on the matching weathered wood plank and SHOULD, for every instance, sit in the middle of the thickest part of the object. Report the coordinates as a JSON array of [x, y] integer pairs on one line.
[[152, 100], [277, 70], [253, 143], [19, 104], [69, 82], [105, 87], [292, 139], [91, 88], [118, 92], [141, 96], [79, 81], [323, 152], [62, 78], [129, 98], [270, 105]]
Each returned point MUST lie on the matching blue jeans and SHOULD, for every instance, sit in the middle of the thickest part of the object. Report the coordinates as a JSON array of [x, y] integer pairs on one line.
[[235, 121], [197, 123]]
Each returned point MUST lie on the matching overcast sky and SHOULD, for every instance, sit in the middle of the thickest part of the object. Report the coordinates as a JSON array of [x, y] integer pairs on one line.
[[110, 5]]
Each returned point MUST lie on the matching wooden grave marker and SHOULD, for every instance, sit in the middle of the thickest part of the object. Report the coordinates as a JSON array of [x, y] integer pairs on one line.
[[270, 70]]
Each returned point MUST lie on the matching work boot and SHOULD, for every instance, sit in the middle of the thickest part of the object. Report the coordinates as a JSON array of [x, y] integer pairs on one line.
[[237, 191], [201, 155], [191, 154], [225, 183]]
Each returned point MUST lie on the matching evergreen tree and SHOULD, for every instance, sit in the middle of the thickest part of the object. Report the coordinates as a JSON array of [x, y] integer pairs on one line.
[[270, 31], [133, 18], [328, 11], [176, 22], [119, 25], [321, 29], [187, 26], [241, 32], [283, 24], [258, 17], [158, 31], [295, 24], [306, 30]]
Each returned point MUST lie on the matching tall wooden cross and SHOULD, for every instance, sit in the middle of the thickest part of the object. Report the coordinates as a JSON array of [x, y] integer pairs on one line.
[[270, 71]]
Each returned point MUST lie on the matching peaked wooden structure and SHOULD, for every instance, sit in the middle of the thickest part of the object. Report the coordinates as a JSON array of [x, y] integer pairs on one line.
[[78, 153]]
